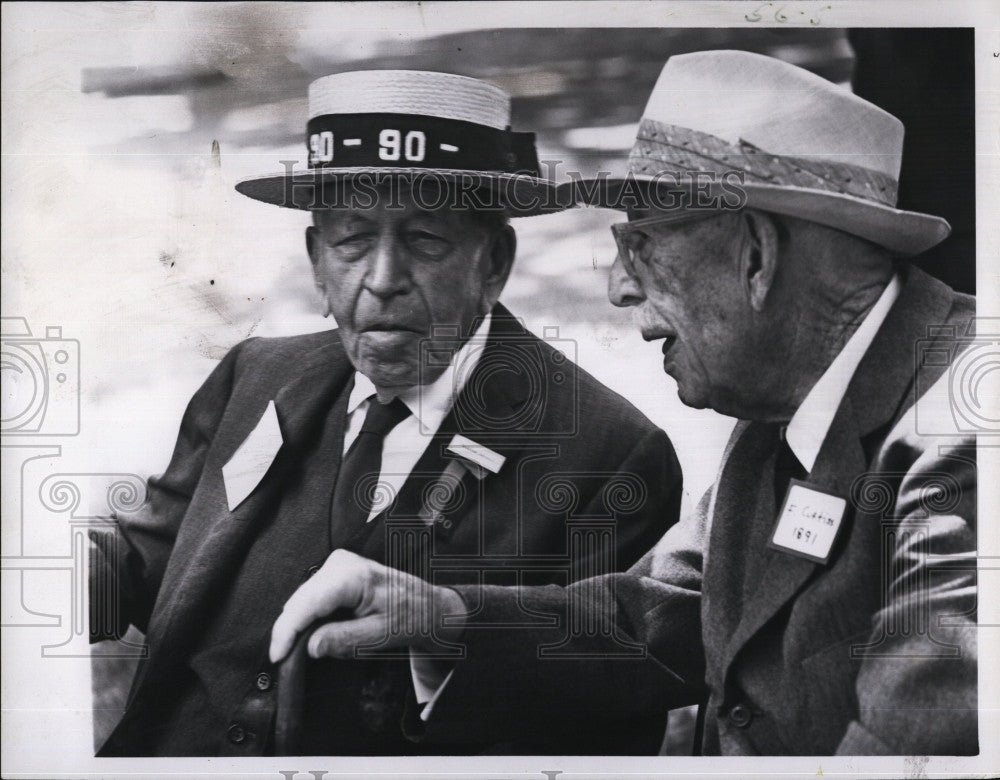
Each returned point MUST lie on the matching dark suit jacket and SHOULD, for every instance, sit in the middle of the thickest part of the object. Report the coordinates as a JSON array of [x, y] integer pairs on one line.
[[872, 652], [588, 484]]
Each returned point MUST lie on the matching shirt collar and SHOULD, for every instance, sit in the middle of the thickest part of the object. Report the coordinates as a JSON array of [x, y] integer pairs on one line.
[[809, 425], [431, 403], [363, 389]]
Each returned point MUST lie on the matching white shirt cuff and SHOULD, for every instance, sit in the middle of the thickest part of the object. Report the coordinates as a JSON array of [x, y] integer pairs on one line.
[[429, 680]]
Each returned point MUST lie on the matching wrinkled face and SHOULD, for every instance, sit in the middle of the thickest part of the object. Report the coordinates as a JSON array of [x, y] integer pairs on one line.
[[683, 281], [394, 277]]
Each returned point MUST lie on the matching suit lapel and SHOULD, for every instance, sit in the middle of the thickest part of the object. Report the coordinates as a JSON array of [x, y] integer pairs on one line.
[[875, 395], [881, 387], [739, 499], [492, 404], [307, 400], [493, 408]]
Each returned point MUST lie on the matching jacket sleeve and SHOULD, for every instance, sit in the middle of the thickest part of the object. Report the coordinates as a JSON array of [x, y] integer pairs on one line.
[[548, 659], [127, 561], [917, 686]]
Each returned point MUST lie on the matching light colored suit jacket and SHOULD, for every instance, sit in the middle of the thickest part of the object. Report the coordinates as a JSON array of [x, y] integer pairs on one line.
[[872, 652]]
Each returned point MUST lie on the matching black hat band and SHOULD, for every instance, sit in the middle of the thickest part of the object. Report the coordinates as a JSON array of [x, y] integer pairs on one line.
[[416, 141]]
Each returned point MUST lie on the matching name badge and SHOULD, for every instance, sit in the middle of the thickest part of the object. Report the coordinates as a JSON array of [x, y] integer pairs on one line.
[[482, 458], [808, 522]]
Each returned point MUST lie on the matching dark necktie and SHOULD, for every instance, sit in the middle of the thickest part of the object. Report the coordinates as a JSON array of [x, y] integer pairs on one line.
[[786, 468], [357, 482]]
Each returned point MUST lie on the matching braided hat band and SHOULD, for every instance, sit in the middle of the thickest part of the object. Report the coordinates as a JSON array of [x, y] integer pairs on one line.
[[663, 147]]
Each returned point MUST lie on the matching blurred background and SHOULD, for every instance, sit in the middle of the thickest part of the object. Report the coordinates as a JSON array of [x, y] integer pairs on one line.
[[127, 125]]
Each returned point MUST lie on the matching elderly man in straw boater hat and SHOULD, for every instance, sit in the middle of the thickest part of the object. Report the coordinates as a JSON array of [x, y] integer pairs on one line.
[[822, 597], [430, 431]]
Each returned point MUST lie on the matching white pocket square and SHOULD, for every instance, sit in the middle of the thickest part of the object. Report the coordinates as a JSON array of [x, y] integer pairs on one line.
[[253, 458]]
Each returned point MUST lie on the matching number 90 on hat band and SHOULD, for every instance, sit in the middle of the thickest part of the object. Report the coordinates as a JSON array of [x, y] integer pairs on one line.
[[416, 141]]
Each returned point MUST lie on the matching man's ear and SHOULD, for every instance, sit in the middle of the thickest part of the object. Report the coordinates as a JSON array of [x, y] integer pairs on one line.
[[759, 257], [312, 247], [501, 259], [312, 244]]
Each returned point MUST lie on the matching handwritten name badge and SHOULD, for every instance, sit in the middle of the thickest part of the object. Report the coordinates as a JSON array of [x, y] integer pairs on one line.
[[808, 522]]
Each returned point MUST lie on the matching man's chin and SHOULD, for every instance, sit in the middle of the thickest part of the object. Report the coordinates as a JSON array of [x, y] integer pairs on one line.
[[690, 398], [692, 402], [389, 374]]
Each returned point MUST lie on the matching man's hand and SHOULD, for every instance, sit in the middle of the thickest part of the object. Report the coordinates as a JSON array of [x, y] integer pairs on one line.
[[389, 608]]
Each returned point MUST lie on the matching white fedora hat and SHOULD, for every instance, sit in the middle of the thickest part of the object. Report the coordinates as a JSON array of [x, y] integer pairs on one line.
[[422, 125], [802, 145]]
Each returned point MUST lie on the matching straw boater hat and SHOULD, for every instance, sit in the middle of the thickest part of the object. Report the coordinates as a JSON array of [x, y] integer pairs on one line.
[[804, 146], [420, 125]]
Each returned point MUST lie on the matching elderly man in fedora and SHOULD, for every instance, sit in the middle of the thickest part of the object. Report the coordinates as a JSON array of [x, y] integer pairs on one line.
[[429, 431], [822, 597]]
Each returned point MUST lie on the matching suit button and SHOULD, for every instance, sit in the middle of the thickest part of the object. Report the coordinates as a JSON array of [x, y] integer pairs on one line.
[[236, 734], [263, 681], [740, 715]]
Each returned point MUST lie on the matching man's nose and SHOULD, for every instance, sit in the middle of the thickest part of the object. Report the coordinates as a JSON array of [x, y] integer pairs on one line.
[[388, 271], [623, 288]]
